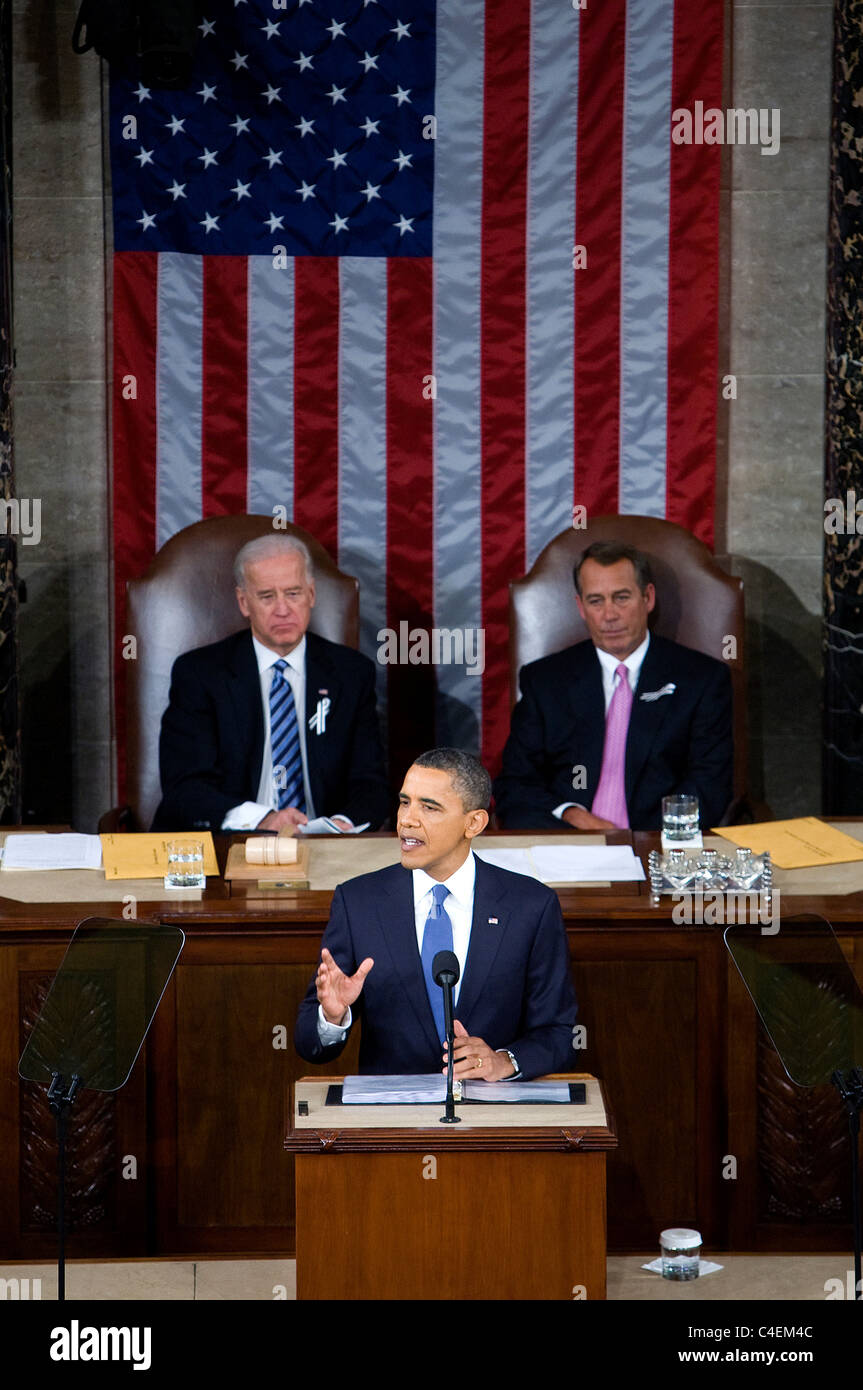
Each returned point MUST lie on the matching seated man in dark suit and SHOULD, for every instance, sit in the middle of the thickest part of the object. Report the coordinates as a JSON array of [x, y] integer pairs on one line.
[[605, 729], [273, 725], [515, 1004]]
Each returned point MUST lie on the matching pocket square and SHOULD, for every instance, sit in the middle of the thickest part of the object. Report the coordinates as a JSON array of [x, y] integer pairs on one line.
[[658, 694]]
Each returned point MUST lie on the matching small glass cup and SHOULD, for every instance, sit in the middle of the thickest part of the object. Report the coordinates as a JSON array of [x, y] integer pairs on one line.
[[680, 1249], [185, 865], [680, 819]]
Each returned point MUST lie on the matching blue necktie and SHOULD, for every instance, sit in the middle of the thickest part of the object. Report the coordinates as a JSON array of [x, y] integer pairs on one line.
[[437, 936], [285, 742]]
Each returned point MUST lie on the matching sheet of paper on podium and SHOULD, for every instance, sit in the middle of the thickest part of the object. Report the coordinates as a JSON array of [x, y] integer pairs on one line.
[[431, 1090], [801, 843], [41, 850], [564, 864], [146, 856]]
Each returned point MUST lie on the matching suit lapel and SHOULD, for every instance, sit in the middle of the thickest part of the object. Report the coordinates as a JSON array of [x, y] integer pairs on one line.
[[397, 918], [244, 692], [647, 716], [587, 703], [488, 925], [321, 684]]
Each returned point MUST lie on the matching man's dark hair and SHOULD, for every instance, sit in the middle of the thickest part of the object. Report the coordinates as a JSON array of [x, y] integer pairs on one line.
[[608, 553], [469, 778]]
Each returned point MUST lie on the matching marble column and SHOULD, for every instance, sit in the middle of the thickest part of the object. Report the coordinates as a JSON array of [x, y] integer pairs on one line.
[[843, 524], [10, 760]]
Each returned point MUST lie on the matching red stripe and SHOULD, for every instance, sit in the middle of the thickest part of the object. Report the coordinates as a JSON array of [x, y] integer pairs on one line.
[[502, 352], [225, 387], [598, 196], [410, 497], [316, 398], [133, 404], [693, 309]]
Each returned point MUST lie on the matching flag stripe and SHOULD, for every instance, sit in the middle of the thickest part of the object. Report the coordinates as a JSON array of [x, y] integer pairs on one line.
[[597, 286], [644, 281], [503, 336], [225, 391], [179, 394], [270, 376], [694, 279], [363, 440], [316, 398], [457, 269], [550, 289]]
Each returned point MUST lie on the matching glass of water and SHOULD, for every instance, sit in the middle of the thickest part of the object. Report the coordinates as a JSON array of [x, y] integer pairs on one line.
[[680, 818], [185, 864]]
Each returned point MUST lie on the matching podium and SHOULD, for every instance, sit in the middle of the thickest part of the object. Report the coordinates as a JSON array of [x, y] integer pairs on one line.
[[391, 1204]]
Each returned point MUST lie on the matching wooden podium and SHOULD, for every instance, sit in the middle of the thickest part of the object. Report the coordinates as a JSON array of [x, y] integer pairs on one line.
[[391, 1204]]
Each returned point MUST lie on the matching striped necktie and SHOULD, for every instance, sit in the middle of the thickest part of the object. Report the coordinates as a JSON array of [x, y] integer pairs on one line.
[[437, 936], [285, 742]]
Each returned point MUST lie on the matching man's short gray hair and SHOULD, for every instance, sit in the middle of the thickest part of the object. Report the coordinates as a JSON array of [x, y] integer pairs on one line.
[[470, 780], [270, 545]]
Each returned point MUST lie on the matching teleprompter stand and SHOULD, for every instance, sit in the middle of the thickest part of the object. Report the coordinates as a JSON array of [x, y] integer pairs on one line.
[[94, 1021], [812, 1010]]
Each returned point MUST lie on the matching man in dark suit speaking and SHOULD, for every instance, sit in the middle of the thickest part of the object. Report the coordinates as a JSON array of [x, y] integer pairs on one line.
[[605, 729], [514, 1002], [273, 725]]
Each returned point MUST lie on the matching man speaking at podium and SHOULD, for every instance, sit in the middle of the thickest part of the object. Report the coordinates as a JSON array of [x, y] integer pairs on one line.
[[514, 1003]]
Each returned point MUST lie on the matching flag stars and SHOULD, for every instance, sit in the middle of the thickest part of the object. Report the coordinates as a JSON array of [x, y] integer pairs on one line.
[[207, 27], [240, 60], [337, 159], [241, 190], [177, 190], [371, 191], [403, 161], [208, 158], [335, 29], [273, 157], [175, 125], [208, 93], [142, 93], [147, 220], [144, 156], [401, 31], [339, 224], [302, 62], [304, 127], [368, 60], [209, 224], [401, 95], [404, 224], [271, 93], [271, 29], [336, 94], [241, 125], [307, 190], [275, 224], [370, 127]]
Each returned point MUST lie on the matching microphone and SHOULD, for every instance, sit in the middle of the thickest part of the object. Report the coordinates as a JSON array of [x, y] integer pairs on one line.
[[445, 968], [445, 972]]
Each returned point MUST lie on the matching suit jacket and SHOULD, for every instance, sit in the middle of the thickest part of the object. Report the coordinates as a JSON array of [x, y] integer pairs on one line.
[[516, 991], [212, 740], [679, 742]]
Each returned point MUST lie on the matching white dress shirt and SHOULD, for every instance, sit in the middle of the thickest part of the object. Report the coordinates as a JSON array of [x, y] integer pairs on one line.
[[251, 813], [609, 664]]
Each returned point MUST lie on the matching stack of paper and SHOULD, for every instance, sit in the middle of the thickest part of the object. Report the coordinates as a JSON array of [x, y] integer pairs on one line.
[[570, 863], [66, 850]]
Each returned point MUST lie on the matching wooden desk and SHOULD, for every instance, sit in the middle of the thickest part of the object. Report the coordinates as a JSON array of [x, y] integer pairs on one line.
[[668, 1027]]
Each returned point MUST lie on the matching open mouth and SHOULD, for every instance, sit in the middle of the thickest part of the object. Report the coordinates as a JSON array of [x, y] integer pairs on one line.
[[408, 842]]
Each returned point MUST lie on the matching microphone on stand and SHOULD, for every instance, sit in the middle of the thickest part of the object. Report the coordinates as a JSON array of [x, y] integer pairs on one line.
[[445, 972]]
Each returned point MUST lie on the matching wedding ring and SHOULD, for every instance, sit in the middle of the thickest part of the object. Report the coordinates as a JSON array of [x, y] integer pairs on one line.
[[478, 1062]]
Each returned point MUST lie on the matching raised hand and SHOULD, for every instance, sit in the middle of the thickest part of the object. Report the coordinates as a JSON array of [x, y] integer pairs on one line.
[[336, 990]]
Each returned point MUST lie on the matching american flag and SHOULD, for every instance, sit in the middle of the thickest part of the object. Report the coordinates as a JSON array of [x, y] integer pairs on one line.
[[426, 275]]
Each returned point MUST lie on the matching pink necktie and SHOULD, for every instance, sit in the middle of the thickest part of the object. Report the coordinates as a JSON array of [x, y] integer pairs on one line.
[[610, 799]]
